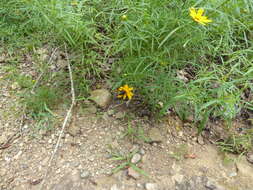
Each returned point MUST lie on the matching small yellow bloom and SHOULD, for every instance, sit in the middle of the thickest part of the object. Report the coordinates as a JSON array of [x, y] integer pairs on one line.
[[74, 3], [163, 63], [125, 92], [124, 17], [197, 15]]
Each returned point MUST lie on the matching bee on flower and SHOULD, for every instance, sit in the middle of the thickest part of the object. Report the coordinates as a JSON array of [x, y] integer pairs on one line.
[[197, 15], [125, 92]]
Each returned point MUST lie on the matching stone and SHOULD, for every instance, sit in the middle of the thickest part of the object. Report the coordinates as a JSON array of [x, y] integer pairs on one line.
[[155, 135], [101, 97], [132, 173], [136, 158], [232, 174], [84, 174], [200, 140], [142, 151], [151, 186]]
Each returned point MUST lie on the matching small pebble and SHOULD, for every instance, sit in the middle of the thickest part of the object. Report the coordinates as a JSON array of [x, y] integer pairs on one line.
[[136, 158], [233, 174], [84, 174], [142, 151]]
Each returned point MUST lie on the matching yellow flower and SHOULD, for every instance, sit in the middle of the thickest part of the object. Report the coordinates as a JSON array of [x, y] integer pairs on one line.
[[197, 15], [125, 92], [124, 17]]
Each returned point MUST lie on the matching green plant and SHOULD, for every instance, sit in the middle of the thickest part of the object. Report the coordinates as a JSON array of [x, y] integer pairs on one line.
[[44, 123], [42, 100], [126, 163], [238, 144]]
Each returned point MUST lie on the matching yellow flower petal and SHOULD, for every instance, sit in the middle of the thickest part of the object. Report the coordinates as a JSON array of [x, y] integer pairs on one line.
[[200, 12], [126, 92], [197, 15]]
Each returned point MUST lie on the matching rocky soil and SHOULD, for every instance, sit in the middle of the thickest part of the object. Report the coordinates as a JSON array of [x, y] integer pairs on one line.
[[167, 155]]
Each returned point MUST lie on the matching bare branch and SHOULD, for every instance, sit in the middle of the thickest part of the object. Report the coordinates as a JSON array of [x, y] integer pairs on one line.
[[65, 120]]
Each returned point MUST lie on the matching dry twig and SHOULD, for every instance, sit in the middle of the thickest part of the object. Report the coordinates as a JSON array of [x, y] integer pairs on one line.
[[64, 123]]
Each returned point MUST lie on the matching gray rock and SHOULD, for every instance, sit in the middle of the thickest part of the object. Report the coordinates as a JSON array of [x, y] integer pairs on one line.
[[155, 135], [232, 174], [151, 186], [136, 158], [84, 174], [101, 97], [142, 151], [132, 173]]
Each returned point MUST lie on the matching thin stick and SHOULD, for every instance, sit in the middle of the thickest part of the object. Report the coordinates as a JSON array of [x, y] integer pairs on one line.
[[65, 120], [42, 73]]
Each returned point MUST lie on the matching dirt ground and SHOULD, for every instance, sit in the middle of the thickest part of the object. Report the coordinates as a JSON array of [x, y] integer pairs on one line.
[[174, 158]]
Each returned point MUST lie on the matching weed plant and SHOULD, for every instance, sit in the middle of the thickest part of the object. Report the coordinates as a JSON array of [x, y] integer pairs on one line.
[[171, 61]]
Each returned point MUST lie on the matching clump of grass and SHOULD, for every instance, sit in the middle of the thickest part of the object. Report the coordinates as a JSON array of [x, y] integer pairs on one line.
[[44, 99], [126, 163], [237, 144]]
